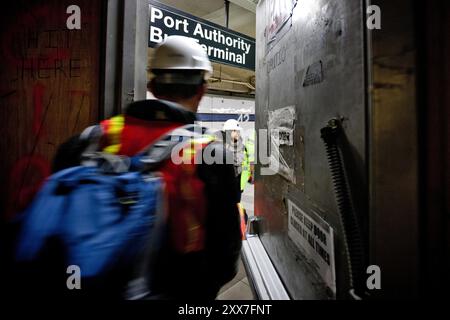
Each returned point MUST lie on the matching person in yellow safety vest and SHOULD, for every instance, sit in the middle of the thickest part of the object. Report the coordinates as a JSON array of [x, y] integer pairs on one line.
[[249, 162], [247, 175], [243, 157], [231, 136], [233, 143]]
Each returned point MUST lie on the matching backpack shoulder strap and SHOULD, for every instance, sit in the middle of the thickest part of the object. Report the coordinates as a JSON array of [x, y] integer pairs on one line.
[[188, 135]]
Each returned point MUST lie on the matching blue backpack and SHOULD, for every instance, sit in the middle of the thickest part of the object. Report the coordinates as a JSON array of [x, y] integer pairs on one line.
[[108, 218]]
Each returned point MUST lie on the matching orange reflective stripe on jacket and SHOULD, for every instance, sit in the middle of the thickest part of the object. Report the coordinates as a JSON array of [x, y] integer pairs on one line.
[[113, 128]]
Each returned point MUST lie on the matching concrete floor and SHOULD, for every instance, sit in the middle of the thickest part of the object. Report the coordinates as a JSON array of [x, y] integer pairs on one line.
[[238, 288]]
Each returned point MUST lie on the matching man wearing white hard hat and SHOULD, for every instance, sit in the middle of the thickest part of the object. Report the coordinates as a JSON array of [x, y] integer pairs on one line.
[[180, 69], [234, 144], [199, 253]]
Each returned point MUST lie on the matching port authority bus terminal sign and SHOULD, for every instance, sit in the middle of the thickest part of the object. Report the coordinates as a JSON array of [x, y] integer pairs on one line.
[[222, 45]]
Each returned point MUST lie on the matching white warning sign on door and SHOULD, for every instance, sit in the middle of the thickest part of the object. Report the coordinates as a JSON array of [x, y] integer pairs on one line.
[[314, 237]]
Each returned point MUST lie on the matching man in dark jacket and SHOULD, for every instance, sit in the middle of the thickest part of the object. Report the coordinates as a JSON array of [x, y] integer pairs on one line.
[[180, 69]]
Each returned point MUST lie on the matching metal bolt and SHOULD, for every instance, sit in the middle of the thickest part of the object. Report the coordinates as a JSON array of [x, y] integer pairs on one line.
[[333, 123]]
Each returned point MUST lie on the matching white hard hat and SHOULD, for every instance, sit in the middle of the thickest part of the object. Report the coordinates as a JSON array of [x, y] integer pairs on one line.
[[179, 53], [231, 125]]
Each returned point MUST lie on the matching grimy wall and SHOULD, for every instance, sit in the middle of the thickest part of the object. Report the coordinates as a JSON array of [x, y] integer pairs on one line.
[[310, 68], [49, 89]]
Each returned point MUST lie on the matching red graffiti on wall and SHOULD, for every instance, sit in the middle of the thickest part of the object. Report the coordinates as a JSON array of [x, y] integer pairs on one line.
[[36, 45], [29, 172], [27, 20]]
